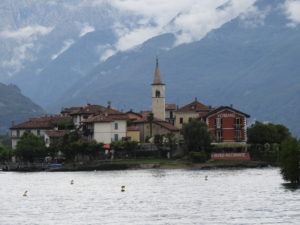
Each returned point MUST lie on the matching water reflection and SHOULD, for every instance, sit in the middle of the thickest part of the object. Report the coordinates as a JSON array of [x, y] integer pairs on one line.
[[291, 187]]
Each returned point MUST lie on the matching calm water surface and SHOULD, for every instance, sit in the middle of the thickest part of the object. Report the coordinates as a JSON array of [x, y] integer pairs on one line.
[[249, 196]]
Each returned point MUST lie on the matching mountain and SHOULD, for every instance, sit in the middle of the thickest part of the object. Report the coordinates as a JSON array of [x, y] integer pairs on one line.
[[15, 107], [251, 63], [62, 72]]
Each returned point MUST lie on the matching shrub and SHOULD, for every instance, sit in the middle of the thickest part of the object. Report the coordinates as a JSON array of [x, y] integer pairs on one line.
[[198, 157]]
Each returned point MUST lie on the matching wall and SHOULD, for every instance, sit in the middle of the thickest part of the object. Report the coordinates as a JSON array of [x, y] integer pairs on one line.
[[228, 123], [104, 132], [16, 138], [134, 135], [185, 116]]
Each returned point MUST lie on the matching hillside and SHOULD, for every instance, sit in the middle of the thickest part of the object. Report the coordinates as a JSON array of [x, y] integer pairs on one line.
[[15, 107], [251, 66]]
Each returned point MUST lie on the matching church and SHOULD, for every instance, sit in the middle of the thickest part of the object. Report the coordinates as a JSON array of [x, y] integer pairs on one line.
[[225, 123]]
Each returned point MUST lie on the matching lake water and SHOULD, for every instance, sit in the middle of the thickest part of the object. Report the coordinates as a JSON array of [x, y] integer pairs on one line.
[[247, 196]]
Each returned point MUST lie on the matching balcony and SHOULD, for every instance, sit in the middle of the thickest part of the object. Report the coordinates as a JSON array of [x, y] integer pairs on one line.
[[238, 126], [238, 139]]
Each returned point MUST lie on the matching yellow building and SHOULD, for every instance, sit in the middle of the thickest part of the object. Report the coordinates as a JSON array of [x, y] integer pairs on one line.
[[133, 133], [190, 111]]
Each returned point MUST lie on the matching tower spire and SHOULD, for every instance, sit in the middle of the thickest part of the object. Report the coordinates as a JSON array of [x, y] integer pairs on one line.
[[157, 77]]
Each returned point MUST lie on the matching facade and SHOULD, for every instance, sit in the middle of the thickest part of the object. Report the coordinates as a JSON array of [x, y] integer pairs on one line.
[[133, 133], [105, 129], [190, 111], [158, 95], [53, 136], [227, 125], [37, 126], [157, 127], [170, 113]]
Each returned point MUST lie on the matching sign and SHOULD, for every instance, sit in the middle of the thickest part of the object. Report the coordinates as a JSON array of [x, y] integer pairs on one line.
[[230, 155], [225, 115]]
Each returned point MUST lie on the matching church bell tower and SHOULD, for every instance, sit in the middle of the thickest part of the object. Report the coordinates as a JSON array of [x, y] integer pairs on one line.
[[158, 95]]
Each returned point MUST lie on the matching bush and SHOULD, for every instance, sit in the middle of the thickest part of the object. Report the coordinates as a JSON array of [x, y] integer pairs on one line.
[[198, 157]]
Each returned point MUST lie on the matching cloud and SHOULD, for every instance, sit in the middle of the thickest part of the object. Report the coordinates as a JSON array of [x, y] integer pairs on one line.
[[189, 20], [66, 45], [24, 45], [26, 33], [86, 28], [292, 10], [19, 55]]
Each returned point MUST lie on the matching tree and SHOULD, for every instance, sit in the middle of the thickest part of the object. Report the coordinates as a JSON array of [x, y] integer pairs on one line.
[[30, 147], [196, 135], [289, 157], [150, 119], [6, 153], [261, 133]]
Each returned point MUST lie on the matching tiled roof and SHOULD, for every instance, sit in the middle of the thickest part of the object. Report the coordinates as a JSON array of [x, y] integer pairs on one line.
[[194, 106], [47, 122], [102, 118], [56, 133], [216, 110], [91, 109], [132, 128], [160, 122], [166, 125], [171, 106], [133, 115]]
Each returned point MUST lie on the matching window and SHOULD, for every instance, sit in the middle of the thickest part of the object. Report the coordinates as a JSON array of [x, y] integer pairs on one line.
[[116, 126], [157, 93], [193, 107], [171, 115], [219, 135], [181, 120], [116, 137], [238, 135], [38, 132], [218, 123], [18, 133], [237, 123]]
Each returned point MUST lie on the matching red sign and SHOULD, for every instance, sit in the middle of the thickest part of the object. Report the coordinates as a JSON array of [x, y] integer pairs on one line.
[[227, 156]]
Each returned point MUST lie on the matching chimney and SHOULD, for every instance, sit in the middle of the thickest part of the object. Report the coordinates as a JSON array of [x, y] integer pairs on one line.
[[109, 104], [196, 99], [231, 105]]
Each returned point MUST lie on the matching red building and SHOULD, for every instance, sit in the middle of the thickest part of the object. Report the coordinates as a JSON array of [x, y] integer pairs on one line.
[[227, 124]]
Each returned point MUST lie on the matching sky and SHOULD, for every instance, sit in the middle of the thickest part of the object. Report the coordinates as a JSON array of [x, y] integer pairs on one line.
[[133, 22]]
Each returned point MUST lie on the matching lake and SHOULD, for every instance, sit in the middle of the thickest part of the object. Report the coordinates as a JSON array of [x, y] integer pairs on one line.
[[158, 196]]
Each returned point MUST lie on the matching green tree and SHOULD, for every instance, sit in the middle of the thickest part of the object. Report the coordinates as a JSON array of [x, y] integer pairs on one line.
[[289, 157], [196, 135], [261, 133], [6, 153], [150, 119], [30, 147]]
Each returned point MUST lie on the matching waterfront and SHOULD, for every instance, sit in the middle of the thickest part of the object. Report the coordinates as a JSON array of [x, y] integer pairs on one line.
[[245, 196]]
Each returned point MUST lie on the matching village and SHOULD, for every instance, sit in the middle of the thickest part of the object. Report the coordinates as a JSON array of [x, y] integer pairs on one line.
[[105, 125]]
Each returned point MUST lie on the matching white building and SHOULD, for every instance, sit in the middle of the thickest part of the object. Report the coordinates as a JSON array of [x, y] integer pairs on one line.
[[105, 129]]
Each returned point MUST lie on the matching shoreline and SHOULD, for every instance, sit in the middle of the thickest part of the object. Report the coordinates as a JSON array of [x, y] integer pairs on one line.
[[149, 164]]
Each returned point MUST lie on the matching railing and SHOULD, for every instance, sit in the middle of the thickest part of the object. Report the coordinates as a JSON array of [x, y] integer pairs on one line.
[[238, 126]]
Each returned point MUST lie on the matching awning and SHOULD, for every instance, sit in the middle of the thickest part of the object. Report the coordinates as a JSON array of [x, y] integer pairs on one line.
[[106, 146]]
